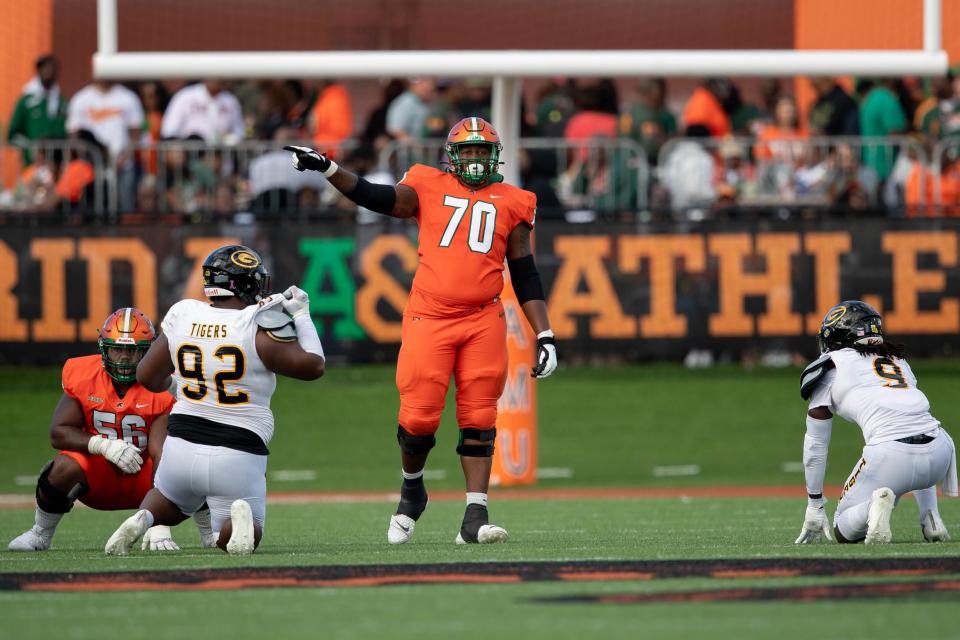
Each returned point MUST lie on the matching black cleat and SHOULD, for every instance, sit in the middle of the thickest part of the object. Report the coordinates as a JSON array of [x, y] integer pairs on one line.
[[476, 529]]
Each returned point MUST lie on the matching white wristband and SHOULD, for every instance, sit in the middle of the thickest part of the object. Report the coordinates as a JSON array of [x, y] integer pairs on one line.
[[332, 169], [545, 334], [96, 444], [307, 335]]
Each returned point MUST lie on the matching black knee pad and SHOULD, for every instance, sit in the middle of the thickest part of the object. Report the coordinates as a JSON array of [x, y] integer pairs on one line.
[[53, 500], [414, 445], [476, 450]]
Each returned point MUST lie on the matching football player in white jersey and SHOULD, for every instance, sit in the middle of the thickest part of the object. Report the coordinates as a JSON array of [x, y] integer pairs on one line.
[[863, 378], [222, 358]]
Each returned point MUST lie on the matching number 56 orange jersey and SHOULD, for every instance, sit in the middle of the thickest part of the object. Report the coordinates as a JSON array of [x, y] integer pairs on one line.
[[463, 240], [105, 413]]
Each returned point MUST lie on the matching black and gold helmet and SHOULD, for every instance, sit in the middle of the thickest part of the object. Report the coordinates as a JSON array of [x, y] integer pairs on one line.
[[848, 324], [235, 270]]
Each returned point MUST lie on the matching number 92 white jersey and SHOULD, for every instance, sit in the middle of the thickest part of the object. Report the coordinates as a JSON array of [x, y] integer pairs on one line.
[[217, 371], [878, 393]]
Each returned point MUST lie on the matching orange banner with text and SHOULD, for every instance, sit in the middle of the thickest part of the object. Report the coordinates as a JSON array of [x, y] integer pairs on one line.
[[515, 457]]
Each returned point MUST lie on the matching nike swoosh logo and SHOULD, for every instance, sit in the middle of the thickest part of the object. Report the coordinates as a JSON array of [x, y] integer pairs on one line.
[[405, 529], [140, 406]]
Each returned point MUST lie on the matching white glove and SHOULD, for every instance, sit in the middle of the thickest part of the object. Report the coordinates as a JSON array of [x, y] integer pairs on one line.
[[123, 454], [158, 538], [816, 524], [546, 355], [296, 302]]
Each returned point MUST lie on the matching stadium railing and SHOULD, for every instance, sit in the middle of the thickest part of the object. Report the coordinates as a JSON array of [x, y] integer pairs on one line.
[[205, 181]]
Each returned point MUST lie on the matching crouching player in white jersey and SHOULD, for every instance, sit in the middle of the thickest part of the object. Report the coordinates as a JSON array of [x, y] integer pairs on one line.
[[222, 357], [864, 379]]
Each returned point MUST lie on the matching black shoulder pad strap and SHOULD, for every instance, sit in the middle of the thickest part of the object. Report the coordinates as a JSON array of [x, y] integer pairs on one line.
[[277, 322], [813, 374]]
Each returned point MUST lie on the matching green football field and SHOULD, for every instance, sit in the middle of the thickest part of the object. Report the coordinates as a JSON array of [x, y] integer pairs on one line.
[[605, 567]]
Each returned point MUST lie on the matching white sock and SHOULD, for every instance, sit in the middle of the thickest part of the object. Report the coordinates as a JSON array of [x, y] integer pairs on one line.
[[926, 500], [412, 476], [47, 521], [477, 498], [853, 522]]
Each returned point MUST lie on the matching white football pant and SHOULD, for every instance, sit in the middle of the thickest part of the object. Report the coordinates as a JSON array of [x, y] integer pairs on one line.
[[191, 473], [899, 466]]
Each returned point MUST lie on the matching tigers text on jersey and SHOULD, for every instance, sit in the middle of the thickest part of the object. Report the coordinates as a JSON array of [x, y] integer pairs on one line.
[[878, 393], [218, 374], [463, 239], [105, 413]]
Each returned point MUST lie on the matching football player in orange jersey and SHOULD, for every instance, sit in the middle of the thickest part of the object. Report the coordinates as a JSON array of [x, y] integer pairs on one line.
[[453, 324], [110, 431]]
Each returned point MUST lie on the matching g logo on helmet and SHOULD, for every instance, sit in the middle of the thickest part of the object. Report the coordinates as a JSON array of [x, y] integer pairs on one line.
[[244, 259], [834, 316]]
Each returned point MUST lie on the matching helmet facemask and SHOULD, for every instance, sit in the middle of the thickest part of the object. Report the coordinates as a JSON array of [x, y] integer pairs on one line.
[[123, 371], [124, 339], [474, 171]]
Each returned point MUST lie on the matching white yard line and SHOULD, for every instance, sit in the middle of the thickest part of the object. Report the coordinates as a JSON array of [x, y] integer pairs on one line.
[[293, 475], [554, 473], [676, 470]]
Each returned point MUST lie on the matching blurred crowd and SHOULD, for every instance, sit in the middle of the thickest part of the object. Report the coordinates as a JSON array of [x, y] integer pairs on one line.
[[212, 149]]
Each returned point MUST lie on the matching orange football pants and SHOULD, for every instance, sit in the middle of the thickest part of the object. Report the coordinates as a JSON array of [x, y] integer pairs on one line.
[[110, 488], [472, 348]]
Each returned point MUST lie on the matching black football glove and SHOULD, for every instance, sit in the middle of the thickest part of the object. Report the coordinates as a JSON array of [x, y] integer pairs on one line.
[[306, 158], [546, 355]]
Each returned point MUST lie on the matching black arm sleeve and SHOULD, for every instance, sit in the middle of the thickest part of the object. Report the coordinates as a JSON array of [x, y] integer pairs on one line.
[[376, 197], [525, 279]]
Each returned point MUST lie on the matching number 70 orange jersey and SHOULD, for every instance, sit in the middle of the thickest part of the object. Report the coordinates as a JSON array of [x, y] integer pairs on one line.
[[463, 240]]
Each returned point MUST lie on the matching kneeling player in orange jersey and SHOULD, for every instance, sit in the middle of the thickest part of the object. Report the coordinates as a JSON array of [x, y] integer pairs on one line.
[[110, 431], [454, 323]]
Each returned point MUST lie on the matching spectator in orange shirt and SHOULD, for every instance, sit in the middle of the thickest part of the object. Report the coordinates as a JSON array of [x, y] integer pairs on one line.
[[332, 118], [920, 191], [155, 98], [596, 116], [705, 107], [77, 181], [782, 140]]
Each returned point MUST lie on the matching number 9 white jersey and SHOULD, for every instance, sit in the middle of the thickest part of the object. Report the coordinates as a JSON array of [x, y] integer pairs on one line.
[[878, 393], [217, 371]]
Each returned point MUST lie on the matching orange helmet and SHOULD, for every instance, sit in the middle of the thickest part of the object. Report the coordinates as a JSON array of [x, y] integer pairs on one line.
[[473, 131], [126, 333]]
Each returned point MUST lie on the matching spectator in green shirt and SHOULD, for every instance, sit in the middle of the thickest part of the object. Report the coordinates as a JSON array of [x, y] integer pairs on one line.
[[41, 112], [443, 113], [554, 108], [881, 115], [647, 121]]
